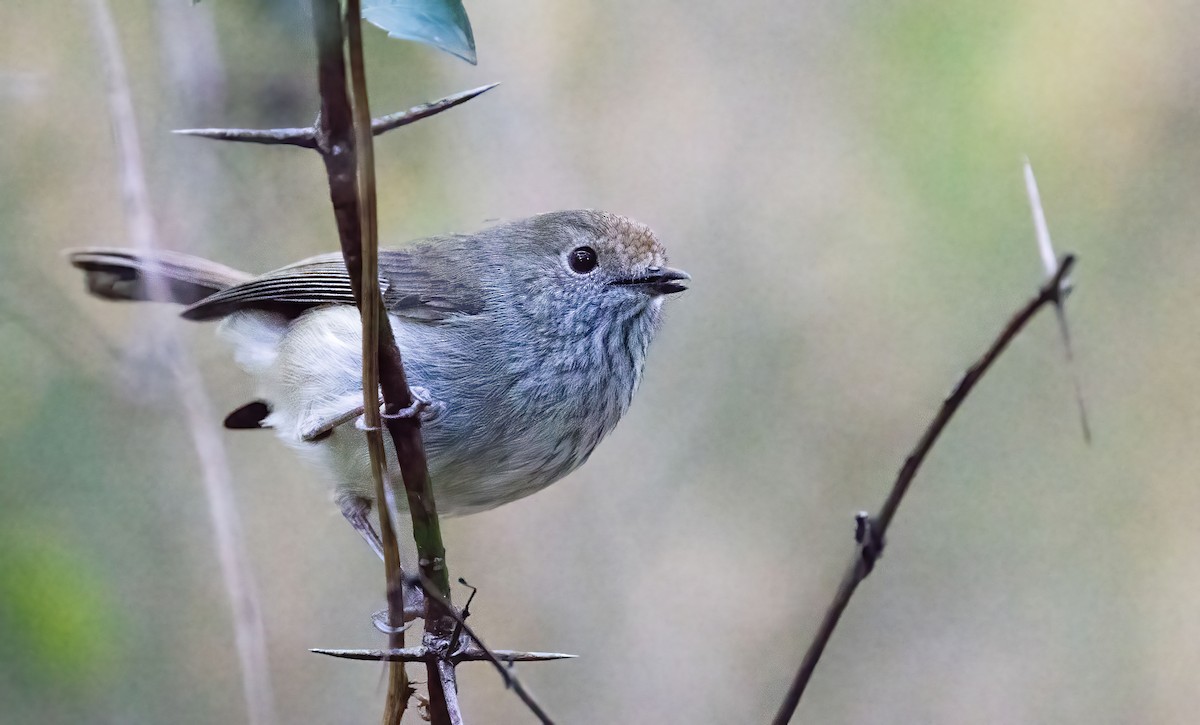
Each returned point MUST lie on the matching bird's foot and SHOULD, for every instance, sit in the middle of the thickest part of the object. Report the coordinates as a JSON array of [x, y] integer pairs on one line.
[[414, 608], [357, 511], [380, 620]]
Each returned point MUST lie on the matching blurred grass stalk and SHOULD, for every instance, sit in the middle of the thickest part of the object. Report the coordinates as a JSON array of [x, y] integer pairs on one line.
[[239, 582]]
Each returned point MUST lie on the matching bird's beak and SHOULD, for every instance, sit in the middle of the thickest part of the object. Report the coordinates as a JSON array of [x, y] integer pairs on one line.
[[657, 281]]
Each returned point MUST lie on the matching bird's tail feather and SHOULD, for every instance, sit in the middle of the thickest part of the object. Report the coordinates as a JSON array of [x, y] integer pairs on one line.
[[126, 274]]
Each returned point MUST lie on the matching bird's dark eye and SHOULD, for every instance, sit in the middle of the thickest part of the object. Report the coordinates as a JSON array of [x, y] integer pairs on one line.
[[582, 259]]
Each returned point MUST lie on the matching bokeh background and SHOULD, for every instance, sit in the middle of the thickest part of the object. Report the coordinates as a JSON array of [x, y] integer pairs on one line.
[[843, 181]]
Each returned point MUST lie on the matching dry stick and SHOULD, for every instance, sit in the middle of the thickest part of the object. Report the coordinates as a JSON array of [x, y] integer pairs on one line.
[[374, 320], [231, 553], [335, 135], [373, 317], [443, 690], [872, 530], [406, 431]]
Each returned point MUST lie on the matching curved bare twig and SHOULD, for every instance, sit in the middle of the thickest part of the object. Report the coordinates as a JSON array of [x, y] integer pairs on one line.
[[871, 530]]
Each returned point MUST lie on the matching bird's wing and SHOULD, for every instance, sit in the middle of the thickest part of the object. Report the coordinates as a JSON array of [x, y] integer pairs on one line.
[[411, 288]]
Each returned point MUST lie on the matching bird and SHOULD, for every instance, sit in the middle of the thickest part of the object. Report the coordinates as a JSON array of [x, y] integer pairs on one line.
[[524, 344]]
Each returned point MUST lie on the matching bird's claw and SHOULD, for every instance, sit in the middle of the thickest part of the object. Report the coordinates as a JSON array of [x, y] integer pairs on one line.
[[423, 405], [382, 623], [414, 608]]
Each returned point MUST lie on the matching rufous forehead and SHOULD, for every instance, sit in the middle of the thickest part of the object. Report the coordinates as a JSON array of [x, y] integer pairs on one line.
[[635, 245]]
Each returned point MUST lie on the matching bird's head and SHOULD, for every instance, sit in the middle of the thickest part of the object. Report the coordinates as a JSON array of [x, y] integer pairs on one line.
[[595, 259]]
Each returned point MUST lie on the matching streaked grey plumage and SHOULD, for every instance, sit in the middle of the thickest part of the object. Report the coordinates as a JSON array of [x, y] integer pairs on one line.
[[531, 358]]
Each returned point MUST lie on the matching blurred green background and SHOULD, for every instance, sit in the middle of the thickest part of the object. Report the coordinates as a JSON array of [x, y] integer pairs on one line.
[[843, 182]]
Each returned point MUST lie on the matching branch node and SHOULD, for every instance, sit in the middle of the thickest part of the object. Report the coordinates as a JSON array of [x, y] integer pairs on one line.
[[870, 538]]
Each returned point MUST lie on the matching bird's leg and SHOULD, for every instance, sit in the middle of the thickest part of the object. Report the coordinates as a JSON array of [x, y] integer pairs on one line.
[[423, 405], [321, 428], [357, 511]]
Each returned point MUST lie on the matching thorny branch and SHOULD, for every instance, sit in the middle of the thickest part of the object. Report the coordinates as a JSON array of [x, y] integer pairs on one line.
[[871, 530]]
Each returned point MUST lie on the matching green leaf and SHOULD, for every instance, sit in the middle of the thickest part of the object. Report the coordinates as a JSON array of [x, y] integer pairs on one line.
[[440, 23]]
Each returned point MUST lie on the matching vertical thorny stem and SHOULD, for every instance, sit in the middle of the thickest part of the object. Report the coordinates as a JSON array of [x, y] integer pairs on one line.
[[344, 140]]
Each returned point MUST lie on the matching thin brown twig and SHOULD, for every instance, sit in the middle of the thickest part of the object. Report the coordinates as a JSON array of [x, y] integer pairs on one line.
[[405, 430], [307, 137], [872, 530], [249, 633], [374, 323], [461, 619], [337, 143]]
